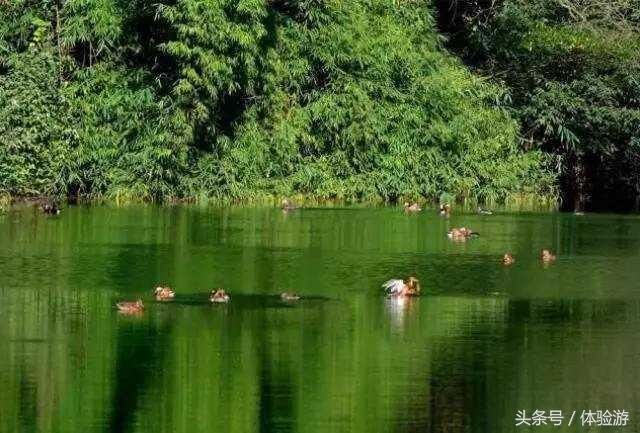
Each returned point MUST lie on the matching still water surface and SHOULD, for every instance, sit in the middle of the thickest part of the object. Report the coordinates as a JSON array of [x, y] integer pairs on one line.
[[483, 341]]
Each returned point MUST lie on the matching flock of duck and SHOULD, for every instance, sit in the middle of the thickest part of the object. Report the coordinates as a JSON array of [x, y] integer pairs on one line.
[[395, 288], [163, 293], [411, 286]]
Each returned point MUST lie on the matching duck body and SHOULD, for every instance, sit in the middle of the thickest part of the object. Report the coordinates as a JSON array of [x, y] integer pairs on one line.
[[135, 307], [445, 209], [508, 259], [50, 208], [287, 205], [219, 297], [411, 208], [483, 211], [546, 256], [402, 288], [461, 234], [164, 293], [288, 296]]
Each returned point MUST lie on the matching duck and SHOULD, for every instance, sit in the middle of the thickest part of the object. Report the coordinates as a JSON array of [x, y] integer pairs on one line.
[[50, 208], [461, 234], [413, 207], [219, 296], [546, 256], [402, 288], [287, 205], [483, 211], [289, 296], [135, 307], [164, 293], [445, 209], [508, 259]]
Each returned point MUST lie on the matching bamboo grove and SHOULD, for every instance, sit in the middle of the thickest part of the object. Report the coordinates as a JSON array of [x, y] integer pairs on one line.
[[360, 100]]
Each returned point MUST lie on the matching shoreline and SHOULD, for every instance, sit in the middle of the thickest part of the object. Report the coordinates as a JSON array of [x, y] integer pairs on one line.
[[516, 203]]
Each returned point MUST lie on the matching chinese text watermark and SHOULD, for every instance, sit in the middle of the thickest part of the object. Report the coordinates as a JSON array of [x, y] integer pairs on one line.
[[586, 418]]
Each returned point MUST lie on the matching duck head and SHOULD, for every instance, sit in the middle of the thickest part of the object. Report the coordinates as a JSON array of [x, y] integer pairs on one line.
[[413, 284]]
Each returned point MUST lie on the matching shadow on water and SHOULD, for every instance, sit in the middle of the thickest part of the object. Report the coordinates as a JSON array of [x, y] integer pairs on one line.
[[28, 404], [457, 388], [558, 311], [449, 398], [241, 301], [277, 410], [141, 348], [479, 376]]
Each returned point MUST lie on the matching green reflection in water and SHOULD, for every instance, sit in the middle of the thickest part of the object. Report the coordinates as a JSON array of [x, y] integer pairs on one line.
[[483, 342]]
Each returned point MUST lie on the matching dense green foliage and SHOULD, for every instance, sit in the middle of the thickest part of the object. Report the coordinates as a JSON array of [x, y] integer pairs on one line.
[[573, 70], [245, 99]]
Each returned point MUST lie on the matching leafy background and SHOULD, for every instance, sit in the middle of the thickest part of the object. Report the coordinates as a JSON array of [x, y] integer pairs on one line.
[[329, 100]]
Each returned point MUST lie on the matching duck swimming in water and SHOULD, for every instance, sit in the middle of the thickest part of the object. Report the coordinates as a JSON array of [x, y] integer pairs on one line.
[[483, 211], [288, 296], [445, 209], [164, 293], [130, 307], [508, 259], [219, 296], [287, 205], [407, 287], [461, 234], [546, 256], [413, 207], [50, 208]]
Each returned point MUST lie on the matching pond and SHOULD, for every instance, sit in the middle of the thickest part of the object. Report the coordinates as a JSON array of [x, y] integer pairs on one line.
[[483, 341]]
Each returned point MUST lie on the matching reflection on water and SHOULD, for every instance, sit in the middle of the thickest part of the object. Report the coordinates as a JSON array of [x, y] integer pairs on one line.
[[482, 342]]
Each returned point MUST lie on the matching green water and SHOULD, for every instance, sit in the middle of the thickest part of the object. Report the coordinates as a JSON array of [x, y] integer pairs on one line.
[[482, 342]]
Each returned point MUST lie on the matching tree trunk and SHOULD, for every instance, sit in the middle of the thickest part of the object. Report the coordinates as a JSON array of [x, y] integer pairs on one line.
[[573, 184], [579, 173]]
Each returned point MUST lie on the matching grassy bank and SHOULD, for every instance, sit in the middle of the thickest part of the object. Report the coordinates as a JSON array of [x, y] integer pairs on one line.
[[514, 203]]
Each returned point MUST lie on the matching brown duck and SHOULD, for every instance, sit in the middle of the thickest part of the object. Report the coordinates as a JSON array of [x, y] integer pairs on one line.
[[50, 208], [164, 293], [461, 234], [130, 307], [546, 256], [508, 259], [411, 208], [287, 205], [219, 296], [445, 209], [289, 296]]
